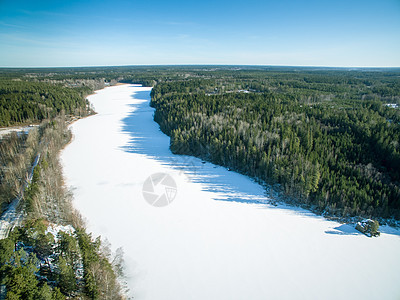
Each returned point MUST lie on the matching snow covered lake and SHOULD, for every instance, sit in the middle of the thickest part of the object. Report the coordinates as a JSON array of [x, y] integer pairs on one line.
[[219, 238]]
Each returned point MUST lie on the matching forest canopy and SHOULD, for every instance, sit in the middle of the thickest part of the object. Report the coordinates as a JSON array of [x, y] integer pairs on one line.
[[328, 136]]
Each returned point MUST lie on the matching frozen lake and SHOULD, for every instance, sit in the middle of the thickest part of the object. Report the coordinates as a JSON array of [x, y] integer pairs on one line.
[[219, 238]]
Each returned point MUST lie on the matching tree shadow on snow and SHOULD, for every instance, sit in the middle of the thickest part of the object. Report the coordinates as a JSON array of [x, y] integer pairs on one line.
[[147, 139], [344, 229], [347, 229]]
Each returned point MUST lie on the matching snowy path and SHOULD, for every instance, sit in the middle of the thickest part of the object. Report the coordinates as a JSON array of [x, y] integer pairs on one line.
[[219, 238], [10, 219], [6, 130], [12, 216]]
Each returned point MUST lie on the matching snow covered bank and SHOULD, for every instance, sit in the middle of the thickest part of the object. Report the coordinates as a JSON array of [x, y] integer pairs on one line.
[[201, 248]]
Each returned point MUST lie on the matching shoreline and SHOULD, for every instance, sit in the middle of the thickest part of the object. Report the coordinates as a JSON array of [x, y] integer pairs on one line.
[[206, 232]]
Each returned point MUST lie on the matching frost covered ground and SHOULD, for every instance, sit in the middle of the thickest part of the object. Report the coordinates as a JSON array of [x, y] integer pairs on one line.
[[199, 247]]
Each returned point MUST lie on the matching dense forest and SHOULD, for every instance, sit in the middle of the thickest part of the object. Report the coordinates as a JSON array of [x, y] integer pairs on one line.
[[328, 138], [63, 264], [51, 256], [31, 102], [32, 95]]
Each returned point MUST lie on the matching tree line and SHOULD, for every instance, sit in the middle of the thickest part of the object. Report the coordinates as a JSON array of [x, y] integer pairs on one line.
[[24, 102], [338, 153], [34, 263], [326, 137]]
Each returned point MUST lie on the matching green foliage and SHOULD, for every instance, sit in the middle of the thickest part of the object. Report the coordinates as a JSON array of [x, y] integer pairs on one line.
[[44, 293], [26, 256], [325, 136], [368, 227], [66, 277], [374, 227], [68, 246], [6, 250], [57, 295], [32, 189], [20, 268], [99, 274], [24, 101], [89, 255], [19, 275]]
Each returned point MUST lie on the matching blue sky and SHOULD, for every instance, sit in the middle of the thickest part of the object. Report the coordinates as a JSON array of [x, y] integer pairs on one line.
[[283, 32]]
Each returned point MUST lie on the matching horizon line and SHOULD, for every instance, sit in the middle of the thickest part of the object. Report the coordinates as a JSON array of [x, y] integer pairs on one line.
[[201, 65]]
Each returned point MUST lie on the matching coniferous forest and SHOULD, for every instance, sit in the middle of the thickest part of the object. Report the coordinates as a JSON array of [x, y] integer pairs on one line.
[[327, 139], [22, 101]]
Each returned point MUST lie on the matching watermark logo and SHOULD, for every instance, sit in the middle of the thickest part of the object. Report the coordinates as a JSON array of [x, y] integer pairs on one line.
[[159, 189]]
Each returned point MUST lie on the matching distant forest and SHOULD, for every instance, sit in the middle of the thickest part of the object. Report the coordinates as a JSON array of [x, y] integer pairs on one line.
[[328, 138], [22, 101]]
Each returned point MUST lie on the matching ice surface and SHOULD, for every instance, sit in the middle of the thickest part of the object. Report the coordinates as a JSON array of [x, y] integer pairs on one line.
[[199, 247]]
